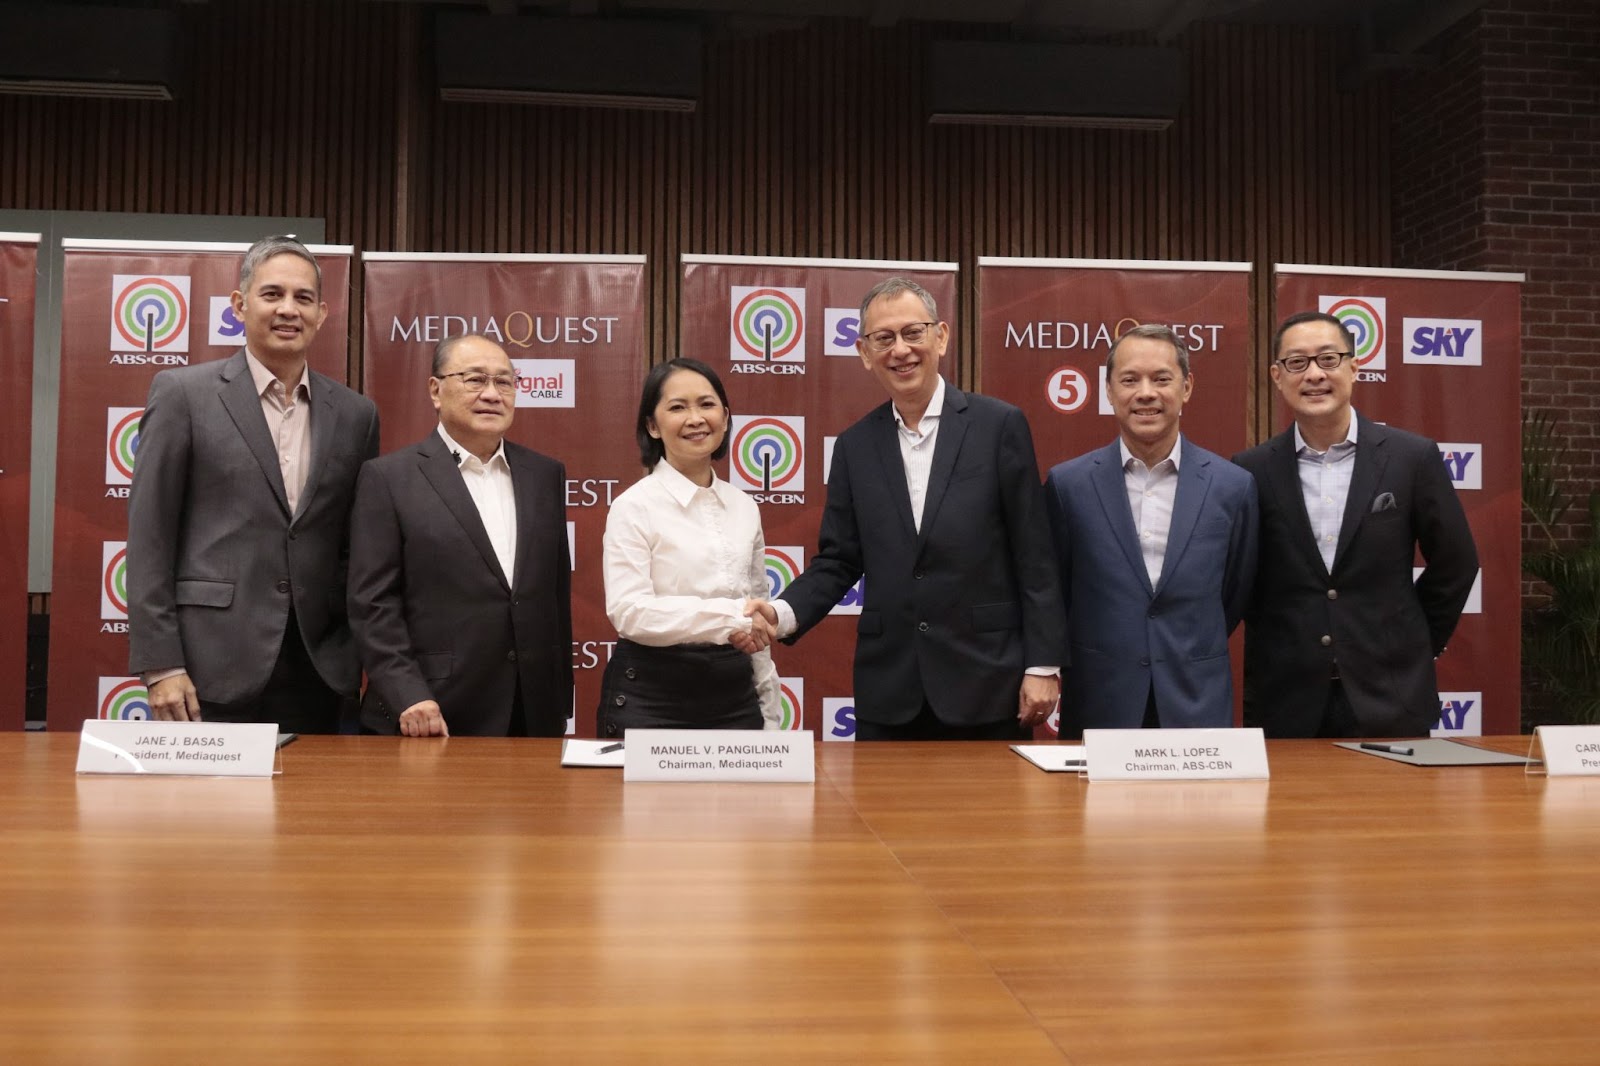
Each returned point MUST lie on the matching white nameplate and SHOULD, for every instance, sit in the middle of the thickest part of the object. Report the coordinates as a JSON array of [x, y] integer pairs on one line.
[[1175, 754], [719, 755], [1569, 750], [201, 749]]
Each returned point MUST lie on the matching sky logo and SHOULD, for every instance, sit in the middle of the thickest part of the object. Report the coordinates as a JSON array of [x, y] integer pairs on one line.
[[768, 324], [114, 580], [1363, 316], [122, 443], [223, 326], [854, 597], [783, 565], [841, 328], [791, 691], [546, 382], [149, 313], [838, 718], [1460, 715], [768, 454], [124, 699], [1444, 341], [1464, 464]]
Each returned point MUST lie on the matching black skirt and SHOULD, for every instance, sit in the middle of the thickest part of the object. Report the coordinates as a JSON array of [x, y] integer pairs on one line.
[[685, 686]]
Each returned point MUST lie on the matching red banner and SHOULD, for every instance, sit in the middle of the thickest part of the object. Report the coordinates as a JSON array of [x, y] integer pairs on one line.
[[18, 261], [1440, 353], [781, 333], [574, 324], [1046, 326], [128, 311]]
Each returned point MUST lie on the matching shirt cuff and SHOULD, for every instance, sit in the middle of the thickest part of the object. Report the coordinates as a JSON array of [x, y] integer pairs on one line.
[[786, 620], [1044, 671], [152, 677]]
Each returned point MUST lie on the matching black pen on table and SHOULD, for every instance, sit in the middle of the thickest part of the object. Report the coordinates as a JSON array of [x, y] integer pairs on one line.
[[609, 748], [1391, 749]]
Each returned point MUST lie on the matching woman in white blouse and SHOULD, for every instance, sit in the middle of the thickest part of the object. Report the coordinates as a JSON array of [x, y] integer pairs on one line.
[[684, 558]]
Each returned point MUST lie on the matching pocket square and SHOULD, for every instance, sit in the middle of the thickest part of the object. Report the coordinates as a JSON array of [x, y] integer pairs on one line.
[[1384, 502]]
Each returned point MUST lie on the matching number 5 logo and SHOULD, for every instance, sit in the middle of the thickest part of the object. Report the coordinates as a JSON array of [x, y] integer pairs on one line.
[[1067, 389]]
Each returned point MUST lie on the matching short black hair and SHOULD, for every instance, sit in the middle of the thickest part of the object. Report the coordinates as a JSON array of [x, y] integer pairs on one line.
[[651, 450], [1300, 319]]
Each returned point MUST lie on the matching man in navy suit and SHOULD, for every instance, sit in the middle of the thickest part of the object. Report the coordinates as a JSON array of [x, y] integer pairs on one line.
[[1155, 538], [1339, 640], [459, 570], [935, 498]]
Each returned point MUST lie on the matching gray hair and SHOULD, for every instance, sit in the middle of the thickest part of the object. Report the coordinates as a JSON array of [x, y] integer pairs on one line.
[[265, 249], [442, 350], [1156, 333], [889, 288]]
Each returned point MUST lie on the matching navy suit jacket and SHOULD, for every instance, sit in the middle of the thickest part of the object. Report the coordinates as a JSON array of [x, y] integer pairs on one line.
[[953, 614], [1382, 628], [1127, 637], [435, 617]]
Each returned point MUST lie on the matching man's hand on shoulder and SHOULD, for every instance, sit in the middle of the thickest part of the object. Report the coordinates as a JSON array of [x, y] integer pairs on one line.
[[423, 720], [173, 699]]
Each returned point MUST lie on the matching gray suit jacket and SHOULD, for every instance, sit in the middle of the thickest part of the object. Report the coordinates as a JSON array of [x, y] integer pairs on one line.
[[215, 559], [1127, 636]]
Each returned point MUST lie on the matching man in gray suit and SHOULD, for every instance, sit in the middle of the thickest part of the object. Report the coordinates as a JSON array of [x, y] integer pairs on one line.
[[1156, 541], [239, 514]]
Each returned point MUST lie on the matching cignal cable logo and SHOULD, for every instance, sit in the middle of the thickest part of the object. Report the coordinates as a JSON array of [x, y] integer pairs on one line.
[[768, 457], [124, 699], [1363, 316], [792, 691], [783, 565], [149, 313], [122, 443], [768, 326]]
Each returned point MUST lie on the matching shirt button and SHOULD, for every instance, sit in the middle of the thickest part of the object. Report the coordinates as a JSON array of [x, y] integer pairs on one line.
[[1333, 594], [1326, 640], [922, 627]]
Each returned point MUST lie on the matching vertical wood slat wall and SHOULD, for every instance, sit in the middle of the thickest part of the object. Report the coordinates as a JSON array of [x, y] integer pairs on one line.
[[809, 142]]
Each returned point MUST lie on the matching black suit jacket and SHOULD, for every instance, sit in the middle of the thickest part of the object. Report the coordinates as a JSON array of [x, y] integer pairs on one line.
[[433, 615], [954, 614], [215, 558], [1381, 628]]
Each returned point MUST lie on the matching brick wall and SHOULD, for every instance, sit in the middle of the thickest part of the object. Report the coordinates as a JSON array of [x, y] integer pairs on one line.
[[1498, 168]]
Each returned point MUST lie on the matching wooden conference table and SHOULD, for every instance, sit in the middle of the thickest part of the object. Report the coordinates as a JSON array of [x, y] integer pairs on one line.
[[470, 901]]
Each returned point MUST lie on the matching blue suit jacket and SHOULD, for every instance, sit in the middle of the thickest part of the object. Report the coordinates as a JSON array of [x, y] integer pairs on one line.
[[1125, 636]]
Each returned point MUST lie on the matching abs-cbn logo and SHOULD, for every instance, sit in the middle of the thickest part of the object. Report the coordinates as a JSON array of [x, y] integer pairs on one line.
[[546, 382], [149, 313], [768, 327], [1464, 464], [791, 692], [124, 699], [783, 564], [767, 457], [1444, 341], [122, 443], [1364, 317]]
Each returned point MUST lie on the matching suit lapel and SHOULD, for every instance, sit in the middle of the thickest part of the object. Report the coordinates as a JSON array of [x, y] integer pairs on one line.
[[527, 504], [1111, 488], [1370, 459], [952, 430], [438, 466], [1284, 478], [324, 431], [1194, 482], [885, 438], [243, 405]]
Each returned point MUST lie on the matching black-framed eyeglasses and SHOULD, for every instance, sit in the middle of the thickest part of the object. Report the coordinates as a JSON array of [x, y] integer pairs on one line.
[[477, 382], [1297, 364], [913, 333]]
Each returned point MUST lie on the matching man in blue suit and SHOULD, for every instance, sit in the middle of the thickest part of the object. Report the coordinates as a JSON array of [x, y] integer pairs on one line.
[[1156, 541]]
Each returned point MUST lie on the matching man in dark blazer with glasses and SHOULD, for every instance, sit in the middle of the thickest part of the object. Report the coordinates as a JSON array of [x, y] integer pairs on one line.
[[460, 573], [1339, 640]]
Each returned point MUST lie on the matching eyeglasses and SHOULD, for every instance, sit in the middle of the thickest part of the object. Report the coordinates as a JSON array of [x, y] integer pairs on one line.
[[883, 339], [477, 382], [1297, 363]]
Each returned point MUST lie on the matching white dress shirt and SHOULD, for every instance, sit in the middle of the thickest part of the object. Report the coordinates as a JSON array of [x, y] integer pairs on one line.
[[1325, 485], [489, 484], [1152, 492], [679, 563], [916, 450]]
